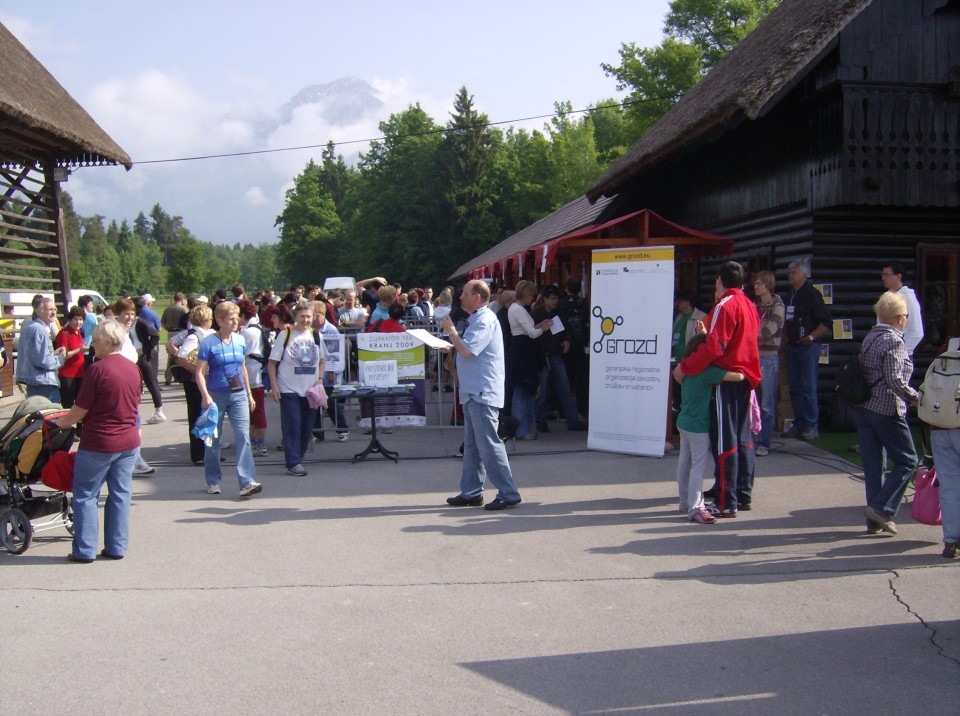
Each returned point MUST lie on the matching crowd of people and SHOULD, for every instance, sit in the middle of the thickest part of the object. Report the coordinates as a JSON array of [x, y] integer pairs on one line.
[[727, 385], [518, 356]]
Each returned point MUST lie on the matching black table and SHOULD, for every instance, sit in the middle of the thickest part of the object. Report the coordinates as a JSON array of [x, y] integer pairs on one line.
[[370, 396]]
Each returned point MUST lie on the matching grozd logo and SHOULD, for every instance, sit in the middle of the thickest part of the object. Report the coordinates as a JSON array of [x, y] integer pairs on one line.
[[625, 346]]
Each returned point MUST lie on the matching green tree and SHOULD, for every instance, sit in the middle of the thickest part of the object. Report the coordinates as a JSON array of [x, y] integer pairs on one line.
[[334, 178], [573, 155], [188, 271], [398, 219], [526, 179], [611, 131], [310, 228], [715, 26], [467, 155], [164, 230], [698, 34]]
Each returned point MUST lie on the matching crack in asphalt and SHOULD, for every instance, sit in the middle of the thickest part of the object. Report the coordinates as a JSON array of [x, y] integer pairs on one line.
[[932, 632]]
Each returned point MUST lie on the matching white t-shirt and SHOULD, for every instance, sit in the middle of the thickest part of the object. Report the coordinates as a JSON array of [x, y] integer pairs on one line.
[[190, 342], [298, 363], [127, 350], [441, 312], [253, 336]]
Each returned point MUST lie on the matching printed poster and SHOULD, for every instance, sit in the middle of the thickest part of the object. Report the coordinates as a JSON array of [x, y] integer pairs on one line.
[[630, 332], [408, 354]]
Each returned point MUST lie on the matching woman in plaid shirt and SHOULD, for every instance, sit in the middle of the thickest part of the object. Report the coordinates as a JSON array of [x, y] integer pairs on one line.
[[881, 421]]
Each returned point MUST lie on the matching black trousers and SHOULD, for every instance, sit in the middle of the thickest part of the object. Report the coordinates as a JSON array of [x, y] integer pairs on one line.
[[731, 442], [194, 407]]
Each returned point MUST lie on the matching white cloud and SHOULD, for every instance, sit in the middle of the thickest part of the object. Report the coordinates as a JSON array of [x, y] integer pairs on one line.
[[155, 116], [254, 196]]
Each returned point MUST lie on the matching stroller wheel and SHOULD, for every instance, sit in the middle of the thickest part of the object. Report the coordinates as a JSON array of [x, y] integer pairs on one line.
[[67, 515], [15, 531]]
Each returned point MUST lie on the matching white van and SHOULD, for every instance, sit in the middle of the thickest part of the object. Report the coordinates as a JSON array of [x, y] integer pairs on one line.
[[22, 303]]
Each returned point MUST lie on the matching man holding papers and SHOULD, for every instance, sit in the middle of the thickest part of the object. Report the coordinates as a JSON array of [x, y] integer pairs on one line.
[[480, 367]]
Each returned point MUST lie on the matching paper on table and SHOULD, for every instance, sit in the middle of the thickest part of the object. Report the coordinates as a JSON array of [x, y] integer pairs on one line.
[[428, 339], [557, 325]]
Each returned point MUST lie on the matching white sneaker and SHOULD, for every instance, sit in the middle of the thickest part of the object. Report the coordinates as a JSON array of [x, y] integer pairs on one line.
[[296, 471], [158, 417], [762, 451], [213, 489], [260, 452], [143, 468], [343, 437], [252, 489], [224, 445]]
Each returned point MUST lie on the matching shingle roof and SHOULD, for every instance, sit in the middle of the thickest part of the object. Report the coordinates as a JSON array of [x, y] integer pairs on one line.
[[569, 217], [743, 86], [41, 116]]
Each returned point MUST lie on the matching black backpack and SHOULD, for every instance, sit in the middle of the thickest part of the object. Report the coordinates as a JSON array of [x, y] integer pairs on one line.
[[266, 343], [852, 387], [577, 322]]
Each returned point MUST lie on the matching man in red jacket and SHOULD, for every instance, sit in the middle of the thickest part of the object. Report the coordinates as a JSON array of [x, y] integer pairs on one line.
[[732, 345]]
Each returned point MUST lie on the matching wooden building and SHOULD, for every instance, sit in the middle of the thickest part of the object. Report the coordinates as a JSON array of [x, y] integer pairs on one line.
[[830, 133], [44, 134]]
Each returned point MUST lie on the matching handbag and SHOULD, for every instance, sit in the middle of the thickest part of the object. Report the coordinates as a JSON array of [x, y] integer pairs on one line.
[[925, 507], [317, 396]]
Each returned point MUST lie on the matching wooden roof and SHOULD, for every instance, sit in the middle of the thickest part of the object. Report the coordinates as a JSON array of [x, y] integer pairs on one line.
[[569, 217], [744, 85], [39, 119]]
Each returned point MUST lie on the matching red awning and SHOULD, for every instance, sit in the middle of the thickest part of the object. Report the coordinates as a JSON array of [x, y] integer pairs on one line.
[[652, 230]]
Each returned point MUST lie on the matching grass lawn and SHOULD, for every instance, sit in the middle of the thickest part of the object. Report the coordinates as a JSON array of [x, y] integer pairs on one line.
[[839, 444]]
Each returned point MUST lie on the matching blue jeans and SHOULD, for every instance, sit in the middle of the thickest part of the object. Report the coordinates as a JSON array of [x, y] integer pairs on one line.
[[769, 375], [484, 454], [556, 374], [50, 392], [946, 455], [522, 406], [90, 471], [236, 404], [297, 419], [891, 433], [802, 367]]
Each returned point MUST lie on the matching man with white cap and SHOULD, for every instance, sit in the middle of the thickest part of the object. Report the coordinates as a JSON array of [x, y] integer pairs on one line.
[[147, 313]]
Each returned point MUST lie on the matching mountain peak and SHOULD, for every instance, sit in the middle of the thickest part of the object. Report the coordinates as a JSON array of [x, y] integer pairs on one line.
[[345, 100]]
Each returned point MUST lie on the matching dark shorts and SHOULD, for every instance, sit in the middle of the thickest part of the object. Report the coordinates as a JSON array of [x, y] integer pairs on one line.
[[258, 418]]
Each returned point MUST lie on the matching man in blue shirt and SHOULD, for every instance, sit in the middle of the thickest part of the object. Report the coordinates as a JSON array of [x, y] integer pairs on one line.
[[37, 361], [147, 313], [480, 367]]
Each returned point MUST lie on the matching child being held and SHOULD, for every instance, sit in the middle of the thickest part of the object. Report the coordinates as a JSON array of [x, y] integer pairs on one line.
[[693, 422]]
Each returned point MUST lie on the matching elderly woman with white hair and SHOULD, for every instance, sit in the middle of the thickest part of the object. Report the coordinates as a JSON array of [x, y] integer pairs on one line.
[[881, 421], [107, 404]]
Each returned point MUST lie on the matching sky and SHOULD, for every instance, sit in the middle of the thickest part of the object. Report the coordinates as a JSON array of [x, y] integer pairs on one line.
[[185, 79]]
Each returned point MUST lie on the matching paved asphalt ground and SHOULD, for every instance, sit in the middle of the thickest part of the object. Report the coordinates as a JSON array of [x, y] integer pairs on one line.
[[356, 590]]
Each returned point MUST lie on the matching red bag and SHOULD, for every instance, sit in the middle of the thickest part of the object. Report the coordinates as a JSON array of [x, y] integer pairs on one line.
[[58, 472], [925, 507]]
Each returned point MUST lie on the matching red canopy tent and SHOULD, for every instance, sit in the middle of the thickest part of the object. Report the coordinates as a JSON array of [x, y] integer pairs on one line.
[[641, 228]]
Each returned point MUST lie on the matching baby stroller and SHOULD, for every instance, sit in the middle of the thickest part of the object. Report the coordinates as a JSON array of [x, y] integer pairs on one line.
[[27, 442]]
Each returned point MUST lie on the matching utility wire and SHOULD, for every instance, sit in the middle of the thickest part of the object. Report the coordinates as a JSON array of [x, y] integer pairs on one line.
[[439, 130]]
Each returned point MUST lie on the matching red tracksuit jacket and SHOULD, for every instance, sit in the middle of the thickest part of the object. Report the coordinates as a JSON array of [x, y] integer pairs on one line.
[[732, 339]]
